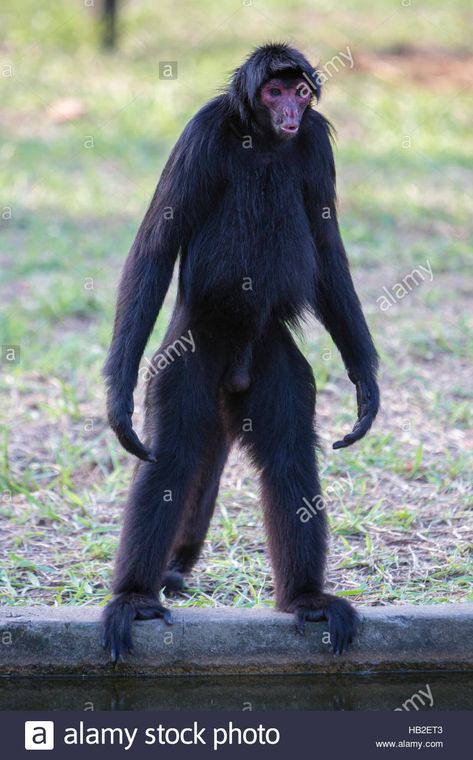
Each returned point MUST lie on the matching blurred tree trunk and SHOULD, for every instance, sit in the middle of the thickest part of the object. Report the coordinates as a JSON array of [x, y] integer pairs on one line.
[[109, 23]]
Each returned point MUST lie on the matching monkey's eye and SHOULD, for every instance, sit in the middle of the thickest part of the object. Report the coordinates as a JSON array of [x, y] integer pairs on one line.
[[275, 92]]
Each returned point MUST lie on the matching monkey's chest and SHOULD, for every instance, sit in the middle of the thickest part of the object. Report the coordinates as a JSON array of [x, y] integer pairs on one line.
[[255, 252]]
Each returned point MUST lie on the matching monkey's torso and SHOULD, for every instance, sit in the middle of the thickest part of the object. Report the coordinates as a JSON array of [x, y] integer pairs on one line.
[[243, 271]]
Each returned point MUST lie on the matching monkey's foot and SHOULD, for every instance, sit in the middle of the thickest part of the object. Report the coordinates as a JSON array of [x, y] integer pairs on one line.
[[342, 618], [118, 616], [173, 582]]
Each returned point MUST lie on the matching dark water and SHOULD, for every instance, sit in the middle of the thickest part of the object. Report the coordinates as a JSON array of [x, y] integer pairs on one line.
[[447, 691]]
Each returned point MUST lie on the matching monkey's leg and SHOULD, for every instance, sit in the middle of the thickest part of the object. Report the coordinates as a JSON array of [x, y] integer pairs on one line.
[[179, 425], [198, 512], [281, 404]]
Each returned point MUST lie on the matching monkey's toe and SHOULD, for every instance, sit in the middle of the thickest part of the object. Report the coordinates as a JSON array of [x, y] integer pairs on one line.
[[118, 616], [173, 582], [342, 618]]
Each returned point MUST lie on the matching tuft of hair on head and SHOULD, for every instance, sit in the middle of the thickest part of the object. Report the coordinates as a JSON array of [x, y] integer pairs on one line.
[[264, 62]]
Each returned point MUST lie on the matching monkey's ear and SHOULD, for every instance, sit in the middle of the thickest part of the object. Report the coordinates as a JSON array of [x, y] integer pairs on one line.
[[314, 80]]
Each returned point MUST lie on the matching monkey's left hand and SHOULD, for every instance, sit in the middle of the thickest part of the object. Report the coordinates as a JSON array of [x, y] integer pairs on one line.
[[120, 414], [367, 397]]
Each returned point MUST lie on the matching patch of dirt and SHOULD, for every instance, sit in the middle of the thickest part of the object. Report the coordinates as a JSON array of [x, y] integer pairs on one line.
[[434, 69], [391, 558]]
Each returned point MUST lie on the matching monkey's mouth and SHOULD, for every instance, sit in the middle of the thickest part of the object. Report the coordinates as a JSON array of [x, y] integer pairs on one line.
[[289, 129]]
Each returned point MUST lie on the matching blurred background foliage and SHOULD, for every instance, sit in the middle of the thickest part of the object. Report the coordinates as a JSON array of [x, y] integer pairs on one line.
[[84, 135]]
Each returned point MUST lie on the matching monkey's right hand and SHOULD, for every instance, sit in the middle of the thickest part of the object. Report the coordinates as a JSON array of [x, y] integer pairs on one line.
[[120, 412]]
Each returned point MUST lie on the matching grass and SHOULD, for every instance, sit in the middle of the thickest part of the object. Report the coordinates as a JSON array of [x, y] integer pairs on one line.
[[73, 194]]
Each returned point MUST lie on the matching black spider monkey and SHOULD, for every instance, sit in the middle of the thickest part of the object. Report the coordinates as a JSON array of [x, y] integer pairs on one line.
[[247, 198]]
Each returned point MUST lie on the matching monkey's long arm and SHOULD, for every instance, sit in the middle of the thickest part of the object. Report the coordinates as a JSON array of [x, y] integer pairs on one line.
[[143, 286], [179, 204], [339, 309], [336, 303]]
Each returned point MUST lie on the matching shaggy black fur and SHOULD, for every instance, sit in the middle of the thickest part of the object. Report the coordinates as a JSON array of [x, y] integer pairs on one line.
[[254, 220]]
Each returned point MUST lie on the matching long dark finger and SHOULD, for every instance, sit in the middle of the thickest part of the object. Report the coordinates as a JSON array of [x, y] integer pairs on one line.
[[133, 445], [300, 622], [359, 400], [130, 441], [153, 611], [315, 616], [360, 430]]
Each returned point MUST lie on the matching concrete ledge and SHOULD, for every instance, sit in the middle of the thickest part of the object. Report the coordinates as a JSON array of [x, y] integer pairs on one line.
[[47, 640]]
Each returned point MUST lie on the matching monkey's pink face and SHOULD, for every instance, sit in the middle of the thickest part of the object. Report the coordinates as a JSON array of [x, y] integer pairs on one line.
[[286, 101]]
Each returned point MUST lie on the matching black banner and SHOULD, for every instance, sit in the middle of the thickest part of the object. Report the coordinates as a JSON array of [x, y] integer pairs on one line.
[[200, 734]]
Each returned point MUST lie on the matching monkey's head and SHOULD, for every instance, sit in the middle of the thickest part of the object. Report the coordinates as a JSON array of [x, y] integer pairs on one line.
[[285, 98], [272, 90]]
